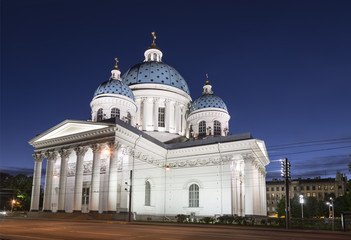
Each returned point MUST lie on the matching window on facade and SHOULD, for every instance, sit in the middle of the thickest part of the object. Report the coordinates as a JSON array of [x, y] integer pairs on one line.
[[301, 188], [129, 118], [217, 128], [273, 209], [314, 194], [194, 195], [339, 187], [308, 194], [325, 187], [294, 188], [267, 189], [313, 187], [272, 195], [282, 188], [277, 195], [147, 193], [202, 128], [331, 187], [277, 188], [115, 113], [319, 187], [307, 187], [99, 115], [272, 188], [319, 195], [161, 117]]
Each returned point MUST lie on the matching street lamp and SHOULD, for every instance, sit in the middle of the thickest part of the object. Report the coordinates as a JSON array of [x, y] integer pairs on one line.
[[331, 205], [301, 201], [12, 203]]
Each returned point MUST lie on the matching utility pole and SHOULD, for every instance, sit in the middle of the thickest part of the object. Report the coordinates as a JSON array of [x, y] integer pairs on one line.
[[130, 196], [286, 174]]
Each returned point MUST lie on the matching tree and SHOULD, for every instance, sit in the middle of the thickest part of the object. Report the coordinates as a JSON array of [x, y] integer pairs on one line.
[[22, 185]]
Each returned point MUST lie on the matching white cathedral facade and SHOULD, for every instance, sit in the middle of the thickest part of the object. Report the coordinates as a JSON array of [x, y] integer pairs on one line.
[[151, 149]]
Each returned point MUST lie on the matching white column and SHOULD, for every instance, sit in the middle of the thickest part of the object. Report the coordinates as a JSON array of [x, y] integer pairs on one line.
[[171, 117], [167, 115], [249, 186], [137, 116], [95, 179], [113, 178], [78, 182], [64, 154], [242, 188], [177, 118], [264, 200], [38, 160], [50, 157], [256, 189], [156, 104]]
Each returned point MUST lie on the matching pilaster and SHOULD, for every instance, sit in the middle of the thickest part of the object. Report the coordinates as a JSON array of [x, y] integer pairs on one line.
[[78, 182], [64, 154]]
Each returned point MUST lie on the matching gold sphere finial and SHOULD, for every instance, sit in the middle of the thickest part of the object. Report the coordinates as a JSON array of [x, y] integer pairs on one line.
[[154, 36], [116, 66], [207, 82]]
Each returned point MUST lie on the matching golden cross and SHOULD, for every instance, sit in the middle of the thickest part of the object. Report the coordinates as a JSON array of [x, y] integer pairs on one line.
[[153, 34], [206, 75], [116, 62]]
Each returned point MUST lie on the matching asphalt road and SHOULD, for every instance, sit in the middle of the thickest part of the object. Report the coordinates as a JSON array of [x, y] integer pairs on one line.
[[58, 229]]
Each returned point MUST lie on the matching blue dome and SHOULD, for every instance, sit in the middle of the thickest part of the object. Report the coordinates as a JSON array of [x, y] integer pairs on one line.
[[155, 72], [114, 86], [208, 101]]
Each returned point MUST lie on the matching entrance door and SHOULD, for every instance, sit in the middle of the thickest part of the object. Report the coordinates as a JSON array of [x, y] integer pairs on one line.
[[85, 199]]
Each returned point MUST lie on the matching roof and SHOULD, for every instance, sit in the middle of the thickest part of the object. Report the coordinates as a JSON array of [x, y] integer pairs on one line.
[[155, 72]]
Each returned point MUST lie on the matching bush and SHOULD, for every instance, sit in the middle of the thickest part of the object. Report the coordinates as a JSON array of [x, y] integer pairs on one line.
[[182, 218], [263, 222], [208, 220]]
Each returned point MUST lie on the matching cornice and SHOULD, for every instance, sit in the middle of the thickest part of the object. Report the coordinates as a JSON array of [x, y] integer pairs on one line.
[[79, 137]]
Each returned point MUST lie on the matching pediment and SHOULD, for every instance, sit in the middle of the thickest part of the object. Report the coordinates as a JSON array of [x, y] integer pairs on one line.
[[69, 127]]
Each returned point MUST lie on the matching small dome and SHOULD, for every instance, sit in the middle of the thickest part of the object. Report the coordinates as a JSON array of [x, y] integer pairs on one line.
[[155, 72], [114, 86], [208, 101]]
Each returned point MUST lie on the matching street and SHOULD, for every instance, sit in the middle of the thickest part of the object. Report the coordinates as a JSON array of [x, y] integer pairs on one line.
[[59, 229]]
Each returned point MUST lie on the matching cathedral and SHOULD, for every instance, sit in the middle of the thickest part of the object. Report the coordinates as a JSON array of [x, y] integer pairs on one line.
[[150, 150]]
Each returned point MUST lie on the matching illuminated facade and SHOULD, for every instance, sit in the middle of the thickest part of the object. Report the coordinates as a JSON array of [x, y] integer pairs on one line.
[[147, 134]]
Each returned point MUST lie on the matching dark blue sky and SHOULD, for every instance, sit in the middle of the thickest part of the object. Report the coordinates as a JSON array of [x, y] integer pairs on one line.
[[282, 67]]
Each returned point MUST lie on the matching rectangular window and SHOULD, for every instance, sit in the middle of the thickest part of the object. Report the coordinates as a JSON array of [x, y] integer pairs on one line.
[[319, 187], [283, 188], [161, 117], [339, 187], [331, 187], [301, 188], [267, 189], [308, 194], [272, 188], [314, 194], [307, 188], [313, 187], [294, 188], [277, 188], [325, 187]]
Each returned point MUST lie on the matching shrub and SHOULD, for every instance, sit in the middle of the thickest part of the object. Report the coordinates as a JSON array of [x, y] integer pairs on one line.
[[208, 220], [182, 218]]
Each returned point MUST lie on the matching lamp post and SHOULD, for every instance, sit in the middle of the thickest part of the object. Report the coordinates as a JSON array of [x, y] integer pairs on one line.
[[12, 203], [301, 202], [331, 205]]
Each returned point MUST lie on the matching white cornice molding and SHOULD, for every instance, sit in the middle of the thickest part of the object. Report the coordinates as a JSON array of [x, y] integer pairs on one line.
[[79, 137]]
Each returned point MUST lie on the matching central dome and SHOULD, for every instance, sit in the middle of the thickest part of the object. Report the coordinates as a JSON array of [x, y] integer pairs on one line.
[[155, 72]]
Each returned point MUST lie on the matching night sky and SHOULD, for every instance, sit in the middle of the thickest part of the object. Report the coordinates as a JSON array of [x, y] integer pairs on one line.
[[283, 68]]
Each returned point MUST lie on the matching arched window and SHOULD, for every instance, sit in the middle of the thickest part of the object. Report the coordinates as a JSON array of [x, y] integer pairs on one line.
[[129, 118], [194, 195], [99, 115], [147, 193], [115, 113], [202, 128], [217, 128]]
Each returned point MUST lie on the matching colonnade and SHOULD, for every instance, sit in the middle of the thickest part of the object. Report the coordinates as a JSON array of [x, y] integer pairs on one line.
[[64, 155], [148, 115], [248, 187]]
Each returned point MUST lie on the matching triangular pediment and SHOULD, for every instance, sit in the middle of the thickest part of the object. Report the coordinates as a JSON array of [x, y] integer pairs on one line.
[[69, 127]]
